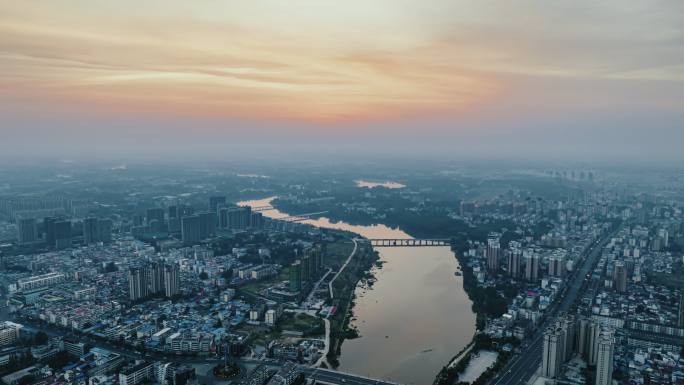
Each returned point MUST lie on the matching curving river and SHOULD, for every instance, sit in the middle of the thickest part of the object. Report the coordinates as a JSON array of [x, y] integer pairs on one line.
[[414, 318]]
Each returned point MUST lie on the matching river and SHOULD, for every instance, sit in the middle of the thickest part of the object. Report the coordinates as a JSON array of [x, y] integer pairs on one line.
[[415, 317]]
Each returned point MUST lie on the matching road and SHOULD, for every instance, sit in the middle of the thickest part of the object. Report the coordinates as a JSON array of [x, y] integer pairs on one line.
[[324, 354], [330, 285], [341, 378], [522, 367], [324, 375], [310, 298]]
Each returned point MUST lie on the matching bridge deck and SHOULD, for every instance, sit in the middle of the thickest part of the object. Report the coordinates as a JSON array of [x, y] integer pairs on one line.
[[301, 217], [263, 208], [412, 242], [327, 376]]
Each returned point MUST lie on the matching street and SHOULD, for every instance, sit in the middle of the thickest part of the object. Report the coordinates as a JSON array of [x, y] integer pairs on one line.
[[522, 367]]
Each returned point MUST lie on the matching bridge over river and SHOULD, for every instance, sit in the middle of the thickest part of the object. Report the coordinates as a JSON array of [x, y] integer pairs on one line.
[[410, 242]]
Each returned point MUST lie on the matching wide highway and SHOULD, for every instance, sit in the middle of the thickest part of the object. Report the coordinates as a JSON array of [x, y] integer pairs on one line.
[[522, 367]]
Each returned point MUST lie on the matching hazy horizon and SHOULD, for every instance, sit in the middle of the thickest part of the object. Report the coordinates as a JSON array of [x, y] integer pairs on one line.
[[582, 81]]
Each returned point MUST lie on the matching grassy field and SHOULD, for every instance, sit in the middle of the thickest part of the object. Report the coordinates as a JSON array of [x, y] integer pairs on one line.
[[255, 287], [309, 325], [337, 253]]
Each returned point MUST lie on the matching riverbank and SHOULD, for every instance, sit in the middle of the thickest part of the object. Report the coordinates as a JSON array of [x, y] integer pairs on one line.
[[483, 302], [356, 269], [486, 301], [467, 366], [411, 314], [428, 223]]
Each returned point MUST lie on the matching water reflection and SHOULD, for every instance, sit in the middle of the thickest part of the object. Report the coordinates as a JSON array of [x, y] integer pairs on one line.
[[415, 317]]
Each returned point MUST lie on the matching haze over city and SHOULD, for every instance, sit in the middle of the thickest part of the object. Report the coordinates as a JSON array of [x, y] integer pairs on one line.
[[318, 192]]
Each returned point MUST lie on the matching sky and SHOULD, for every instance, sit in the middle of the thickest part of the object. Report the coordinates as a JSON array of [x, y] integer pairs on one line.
[[580, 79]]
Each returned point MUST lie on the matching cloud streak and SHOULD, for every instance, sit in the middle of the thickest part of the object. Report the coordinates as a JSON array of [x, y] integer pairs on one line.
[[443, 65]]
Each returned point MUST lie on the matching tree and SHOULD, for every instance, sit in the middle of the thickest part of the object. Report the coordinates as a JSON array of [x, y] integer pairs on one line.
[[110, 267], [203, 275], [41, 338], [26, 380], [60, 360]]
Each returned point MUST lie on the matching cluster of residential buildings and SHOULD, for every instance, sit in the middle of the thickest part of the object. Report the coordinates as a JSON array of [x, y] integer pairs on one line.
[[167, 296], [629, 322], [97, 366]]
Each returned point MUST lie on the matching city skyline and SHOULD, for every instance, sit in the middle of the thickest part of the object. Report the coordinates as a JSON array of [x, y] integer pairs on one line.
[[382, 192]]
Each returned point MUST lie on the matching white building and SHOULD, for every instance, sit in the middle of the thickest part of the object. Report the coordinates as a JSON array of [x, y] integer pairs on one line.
[[604, 361], [551, 354], [270, 317], [137, 373], [37, 281], [9, 332]]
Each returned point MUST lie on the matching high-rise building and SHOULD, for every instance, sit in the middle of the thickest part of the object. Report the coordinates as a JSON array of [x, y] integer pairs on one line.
[[173, 211], [157, 226], [315, 256], [90, 230], [664, 236], [582, 338], [185, 210], [138, 220], [215, 202], [296, 277], [531, 258], [190, 229], [319, 250], [27, 230], [62, 234], [222, 216], [239, 218], [49, 228], [155, 214], [620, 277], [557, 263], [207, 224], [174, 225], [104, 230], [680, 318], [514, 257], [155, 277], [256, 220], [138, 232], [493, 251], [594, 331], [307, 270], [553, 351], [604, 361], [171, 280], [559, 342], [569, 326], [137, 283]]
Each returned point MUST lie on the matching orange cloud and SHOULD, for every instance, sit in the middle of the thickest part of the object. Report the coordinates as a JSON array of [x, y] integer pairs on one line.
[[223, 70], [320, 60]]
